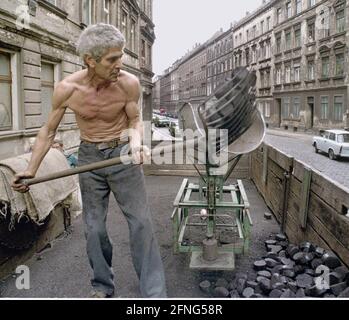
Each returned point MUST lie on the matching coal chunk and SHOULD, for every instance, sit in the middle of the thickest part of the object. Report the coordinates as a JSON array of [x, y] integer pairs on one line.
[[241, 285], [248, 292], [259, 265], [271, 263], [275, 293], [315, 291], [315, 263], [288, 294], [252, 284], [292, 250], [205, 286], [220, 292], [304, 280], [234, 294], [221, 282], [300, 293], [288, 273], [270, 243], [264, 284], [319, 252], [267, 215], [344, 294], [338, 288], [264, 273], [298, 257], [275, 249], [306, 247], [330, 260], [280, 237]]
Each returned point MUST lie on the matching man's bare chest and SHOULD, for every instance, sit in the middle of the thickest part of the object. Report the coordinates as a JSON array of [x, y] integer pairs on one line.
[[103, 105]]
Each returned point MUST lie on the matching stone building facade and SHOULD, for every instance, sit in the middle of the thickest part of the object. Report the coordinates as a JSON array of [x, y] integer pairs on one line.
[[156, 93], [192, 77], [37, 50], [253, 49], [310, 56], [219, 59]]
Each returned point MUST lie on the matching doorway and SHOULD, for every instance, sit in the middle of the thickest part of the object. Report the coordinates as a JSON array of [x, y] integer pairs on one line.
[[310, 113], [278, 111]]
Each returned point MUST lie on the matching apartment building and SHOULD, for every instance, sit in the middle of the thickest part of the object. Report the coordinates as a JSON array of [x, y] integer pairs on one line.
[[253, 49], [310, 56]]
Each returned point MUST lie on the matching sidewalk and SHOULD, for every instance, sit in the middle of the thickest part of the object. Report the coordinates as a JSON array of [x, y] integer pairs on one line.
[[288, 133]]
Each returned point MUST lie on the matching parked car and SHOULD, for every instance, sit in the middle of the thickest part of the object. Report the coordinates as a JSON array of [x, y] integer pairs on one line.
[[334, 142], [160, 121]]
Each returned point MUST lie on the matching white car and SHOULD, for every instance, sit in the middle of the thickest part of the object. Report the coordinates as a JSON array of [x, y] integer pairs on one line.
[[333, 142]]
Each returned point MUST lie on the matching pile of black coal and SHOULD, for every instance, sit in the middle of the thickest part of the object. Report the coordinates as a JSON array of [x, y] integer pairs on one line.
[[287, 271]]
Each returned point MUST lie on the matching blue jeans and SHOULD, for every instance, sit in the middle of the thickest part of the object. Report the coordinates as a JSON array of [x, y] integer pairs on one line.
[[127, 184]]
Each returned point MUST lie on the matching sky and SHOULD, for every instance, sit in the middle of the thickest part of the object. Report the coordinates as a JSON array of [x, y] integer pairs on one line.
[[179, 24]]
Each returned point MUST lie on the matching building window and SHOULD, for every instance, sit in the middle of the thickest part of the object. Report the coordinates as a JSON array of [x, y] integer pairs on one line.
[[47, 86], [288, 39], [296, 107], [268, 23], [298, 6], [338, 108], [311, 70], [87, 11], [325, 24], [288, 10], [297, 38], [297, 73], [106, 11], [340, 64], [286, 108], [262, 79], [143, 53], [324, 108], [262, 27], [262, 51], [279, 15], [267, 79], [133, 35], [311, 32], [149, 55], [278, 45], [5, 91], [254, 55], [311, 3], [278, 75], [340, 21], [268, 50], [267, 109], [325, 67], [288, 74], [124, 23]]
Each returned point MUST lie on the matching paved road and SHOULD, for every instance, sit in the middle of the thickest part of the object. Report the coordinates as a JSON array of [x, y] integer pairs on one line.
[[299, 146]]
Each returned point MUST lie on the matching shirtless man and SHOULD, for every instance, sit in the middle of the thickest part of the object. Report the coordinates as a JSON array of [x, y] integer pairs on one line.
[[104, 99]]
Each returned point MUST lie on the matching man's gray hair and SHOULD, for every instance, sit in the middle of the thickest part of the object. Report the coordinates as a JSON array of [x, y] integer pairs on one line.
[[96, 39]]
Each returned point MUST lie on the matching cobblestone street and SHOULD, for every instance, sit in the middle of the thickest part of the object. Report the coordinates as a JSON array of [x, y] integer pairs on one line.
[[299, 146]]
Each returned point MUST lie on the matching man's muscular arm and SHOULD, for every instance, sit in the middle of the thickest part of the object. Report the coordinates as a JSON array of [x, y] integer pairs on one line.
[[135, 123], [46, 135]]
